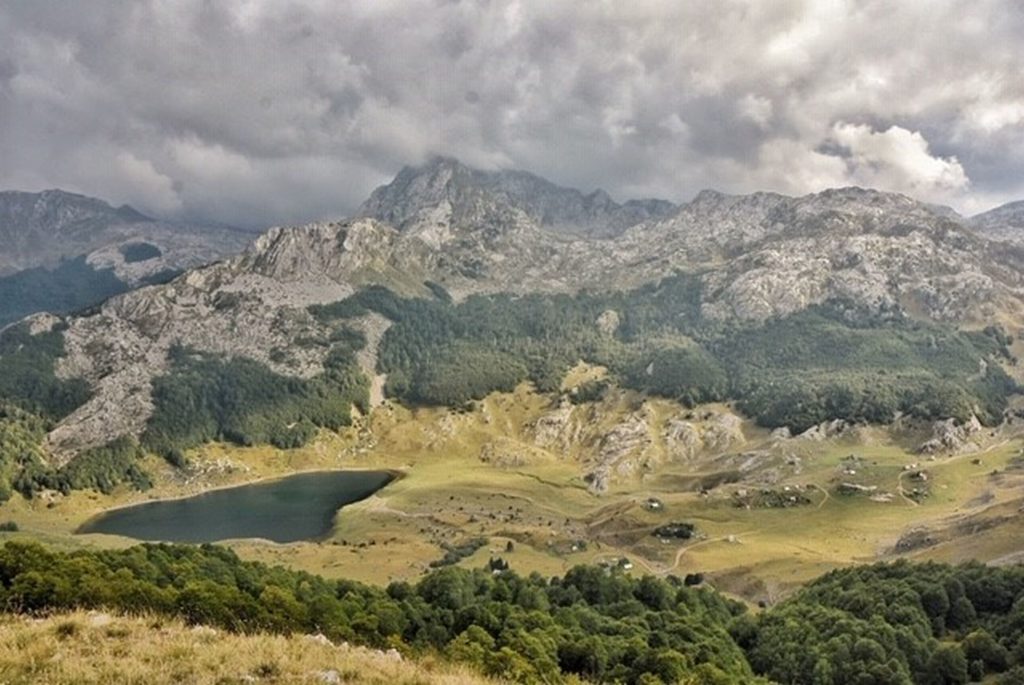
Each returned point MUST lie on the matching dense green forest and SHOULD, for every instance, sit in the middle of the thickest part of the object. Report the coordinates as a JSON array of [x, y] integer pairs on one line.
[[27, 378], [895, 623], [21, 437], [824, 363], [25, 468], [888, 623], [71, 286], [100, 468], [204, 398]]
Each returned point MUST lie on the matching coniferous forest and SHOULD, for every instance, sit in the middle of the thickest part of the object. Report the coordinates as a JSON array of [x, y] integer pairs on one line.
[[829, 362]]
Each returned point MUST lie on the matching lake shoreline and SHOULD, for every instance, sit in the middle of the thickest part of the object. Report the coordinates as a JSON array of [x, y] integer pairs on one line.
[[393, 474]]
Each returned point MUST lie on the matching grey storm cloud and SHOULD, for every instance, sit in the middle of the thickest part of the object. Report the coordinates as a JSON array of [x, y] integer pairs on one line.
[[258, 112]]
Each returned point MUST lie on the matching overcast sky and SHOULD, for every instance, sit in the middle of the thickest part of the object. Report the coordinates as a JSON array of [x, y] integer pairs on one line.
[[257, 112]]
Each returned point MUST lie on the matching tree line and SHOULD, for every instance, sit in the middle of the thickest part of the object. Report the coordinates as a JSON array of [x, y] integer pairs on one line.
[[828, 362], [894, 623], [205, 397]]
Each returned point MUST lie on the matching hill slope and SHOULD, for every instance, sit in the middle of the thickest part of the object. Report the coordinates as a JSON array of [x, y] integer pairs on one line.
[[730, 268], [1005, 222], [93, 647], [895, 623], [64, 251]]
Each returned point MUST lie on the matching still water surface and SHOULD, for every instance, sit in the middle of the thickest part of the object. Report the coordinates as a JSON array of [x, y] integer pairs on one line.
[[299, 507]]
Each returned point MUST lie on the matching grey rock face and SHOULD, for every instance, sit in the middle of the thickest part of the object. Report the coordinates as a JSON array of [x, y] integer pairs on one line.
[[40, 229], [950, 436], [757, 256], [443, 190], [37, 227], [1005, 223]]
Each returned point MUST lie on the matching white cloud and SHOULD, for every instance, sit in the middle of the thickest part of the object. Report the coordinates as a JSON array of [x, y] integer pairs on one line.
[[756, 108], [139, 181], [654, 97], [898, 159]]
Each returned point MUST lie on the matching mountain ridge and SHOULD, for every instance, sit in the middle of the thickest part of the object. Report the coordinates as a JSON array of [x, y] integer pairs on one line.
[[41, 228], [754, 258], [1004, 223], [66, 251], [561, 210]]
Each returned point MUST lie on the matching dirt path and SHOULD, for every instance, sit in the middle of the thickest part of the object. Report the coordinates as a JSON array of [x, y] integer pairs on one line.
[[824, 492], [654, 569], [681, 552], [899, 490]]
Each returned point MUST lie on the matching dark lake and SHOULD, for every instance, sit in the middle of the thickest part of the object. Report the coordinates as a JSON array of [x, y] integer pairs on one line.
[[299, 507]]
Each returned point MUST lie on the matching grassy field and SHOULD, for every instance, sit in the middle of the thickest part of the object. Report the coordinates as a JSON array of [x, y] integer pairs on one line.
[[483, 474], [98, 649]]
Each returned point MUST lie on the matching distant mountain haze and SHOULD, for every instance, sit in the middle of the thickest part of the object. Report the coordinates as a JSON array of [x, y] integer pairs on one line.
[[62, 251]]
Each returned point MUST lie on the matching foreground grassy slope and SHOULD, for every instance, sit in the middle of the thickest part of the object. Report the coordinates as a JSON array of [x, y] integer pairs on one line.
[[900, 624], [528, 629], [95, 648]]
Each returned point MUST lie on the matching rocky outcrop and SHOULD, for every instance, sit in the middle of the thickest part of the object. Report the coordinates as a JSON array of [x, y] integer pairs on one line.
[[825, 431], [682, 440], [952, 437], [557, 430], [713, 432], [622, 452], [608, 322], [722, 431]]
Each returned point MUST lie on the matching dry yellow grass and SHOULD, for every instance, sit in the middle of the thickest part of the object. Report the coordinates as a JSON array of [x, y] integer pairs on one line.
[[90, 648], [540, 501]]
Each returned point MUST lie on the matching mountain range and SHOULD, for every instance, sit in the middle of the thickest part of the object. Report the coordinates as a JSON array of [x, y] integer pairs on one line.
[[444, 227], [64, 251]]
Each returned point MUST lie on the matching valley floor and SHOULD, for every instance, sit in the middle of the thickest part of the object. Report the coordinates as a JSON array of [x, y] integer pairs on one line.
[[770, 512]]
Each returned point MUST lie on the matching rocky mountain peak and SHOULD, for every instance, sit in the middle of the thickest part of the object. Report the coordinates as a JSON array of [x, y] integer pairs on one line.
[[416, 191], [856, 199], [470, 231], [58, 212], [716, 220], [445, 193]]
